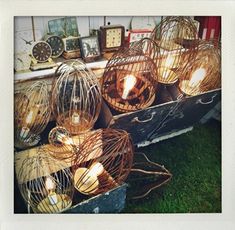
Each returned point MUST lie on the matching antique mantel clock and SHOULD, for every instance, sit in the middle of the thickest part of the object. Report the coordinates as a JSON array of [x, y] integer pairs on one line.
[[41, 56], [111, 37], [23, 42], [56, 43]]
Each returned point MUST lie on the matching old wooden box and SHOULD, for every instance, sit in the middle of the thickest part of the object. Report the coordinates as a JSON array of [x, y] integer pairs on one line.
[[161, 121]]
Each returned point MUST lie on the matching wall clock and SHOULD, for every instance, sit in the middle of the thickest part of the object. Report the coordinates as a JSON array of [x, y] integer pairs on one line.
[[22, 61], [24, 40], [41, 51], [90, 49], [56, 43], [112, 37]]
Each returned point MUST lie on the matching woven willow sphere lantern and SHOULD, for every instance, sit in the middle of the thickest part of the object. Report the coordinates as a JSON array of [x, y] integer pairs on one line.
[[45, 183], [76, 97], [61, 145], [129, 77], [177, 38], [32, 114], [103, 162], [203, 73]]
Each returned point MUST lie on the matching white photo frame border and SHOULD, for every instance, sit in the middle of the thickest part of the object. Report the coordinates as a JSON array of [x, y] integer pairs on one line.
[[11, 8]]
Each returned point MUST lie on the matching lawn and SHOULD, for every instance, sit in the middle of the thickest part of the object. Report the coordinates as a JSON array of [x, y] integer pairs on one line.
[[194, 159]]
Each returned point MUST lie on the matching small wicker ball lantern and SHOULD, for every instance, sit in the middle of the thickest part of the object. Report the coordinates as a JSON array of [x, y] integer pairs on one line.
[[129, 77], [76, 97], [178, 39], [45, 183], [61, 144], [31, 114], [103, 162], [204, 72]]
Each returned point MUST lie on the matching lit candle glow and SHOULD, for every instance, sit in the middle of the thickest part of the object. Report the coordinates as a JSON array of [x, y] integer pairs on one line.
[[129, 83]]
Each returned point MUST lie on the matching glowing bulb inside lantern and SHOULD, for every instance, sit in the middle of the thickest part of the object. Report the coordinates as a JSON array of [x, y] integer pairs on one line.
[[96, 169], [29, 118], [50, 186], [75, 118], [169, 61], [197, 76], [25, 130], [129, 82], [64, 139]]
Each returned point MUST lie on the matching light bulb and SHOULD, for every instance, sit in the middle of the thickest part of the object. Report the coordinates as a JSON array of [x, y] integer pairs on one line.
[[129, 82], [64, 139], [29, 117], [96, 169], [50, 186], [197, 76], [75, 118]]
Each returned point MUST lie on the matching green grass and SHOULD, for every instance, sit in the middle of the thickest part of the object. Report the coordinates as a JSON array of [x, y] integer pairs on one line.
[[194, 159]]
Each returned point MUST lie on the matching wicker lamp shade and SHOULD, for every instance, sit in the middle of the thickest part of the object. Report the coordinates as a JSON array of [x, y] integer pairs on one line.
[[64, 146], [129, 77], [103, 162], [45, 183], [178, 40], [76, 97], [32, 114], [203, 73]]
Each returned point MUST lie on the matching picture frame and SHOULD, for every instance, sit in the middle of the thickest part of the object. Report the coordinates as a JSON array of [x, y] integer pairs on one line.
[[168, 221], [90, 49]]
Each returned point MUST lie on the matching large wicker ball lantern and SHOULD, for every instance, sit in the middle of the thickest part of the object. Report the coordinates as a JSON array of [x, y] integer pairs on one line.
[[178, 39], [76, 97], [203, 73], [31, 114], [45, 183], [103, 162], [129, 78]]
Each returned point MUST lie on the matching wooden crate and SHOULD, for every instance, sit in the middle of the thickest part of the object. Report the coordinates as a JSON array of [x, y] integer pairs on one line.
[[161, 121]]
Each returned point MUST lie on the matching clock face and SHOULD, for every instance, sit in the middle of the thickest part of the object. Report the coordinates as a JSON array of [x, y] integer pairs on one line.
[[136, 36], [41, 51], [72, 44], [113, 37], [90, 48], [57, 46], [24, 40], [22, 61]]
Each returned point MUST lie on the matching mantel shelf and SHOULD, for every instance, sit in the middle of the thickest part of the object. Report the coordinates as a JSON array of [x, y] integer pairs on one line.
[[28, 75]]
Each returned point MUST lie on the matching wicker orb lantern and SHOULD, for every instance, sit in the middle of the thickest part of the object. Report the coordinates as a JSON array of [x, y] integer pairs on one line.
[[203, 73], [177, 38], [32, 114], [129, 77], [45, 183], [103, 162], [76, 97], [61, 144]]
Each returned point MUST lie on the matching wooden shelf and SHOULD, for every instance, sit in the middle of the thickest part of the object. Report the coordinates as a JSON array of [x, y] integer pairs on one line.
[[28, 75]]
